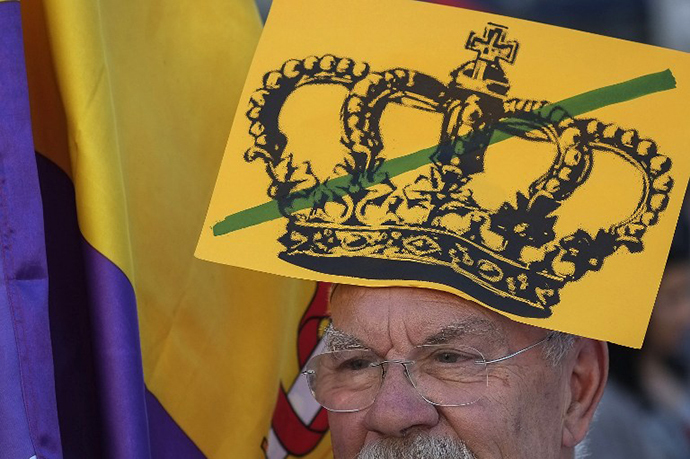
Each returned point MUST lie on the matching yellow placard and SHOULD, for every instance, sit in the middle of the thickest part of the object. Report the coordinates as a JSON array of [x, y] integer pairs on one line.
[[537, 170]]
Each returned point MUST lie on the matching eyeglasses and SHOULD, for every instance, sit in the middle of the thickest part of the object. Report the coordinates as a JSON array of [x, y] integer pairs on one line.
[[444, 375]]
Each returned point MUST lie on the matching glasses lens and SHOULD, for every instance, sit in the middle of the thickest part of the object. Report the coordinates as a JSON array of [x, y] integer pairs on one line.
[[449, 375], [344, 380]]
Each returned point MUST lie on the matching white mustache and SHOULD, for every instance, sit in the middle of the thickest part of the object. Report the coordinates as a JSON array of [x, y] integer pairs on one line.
[[419, 445]]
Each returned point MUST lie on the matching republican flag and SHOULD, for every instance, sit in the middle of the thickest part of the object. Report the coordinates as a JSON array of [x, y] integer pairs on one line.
[[155, 354]]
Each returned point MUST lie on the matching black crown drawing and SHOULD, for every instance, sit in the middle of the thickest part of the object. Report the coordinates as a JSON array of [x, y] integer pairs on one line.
[[433, 229]]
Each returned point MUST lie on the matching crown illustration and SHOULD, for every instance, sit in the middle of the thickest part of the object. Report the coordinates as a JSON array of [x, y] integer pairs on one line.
[[358, 223]]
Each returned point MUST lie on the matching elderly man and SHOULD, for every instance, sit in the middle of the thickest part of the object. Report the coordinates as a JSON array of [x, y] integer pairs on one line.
[[416, 373]]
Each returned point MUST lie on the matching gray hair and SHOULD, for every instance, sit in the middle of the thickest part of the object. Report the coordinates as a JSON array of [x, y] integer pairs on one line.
[[582, 449], [557, 346], [416, 445]]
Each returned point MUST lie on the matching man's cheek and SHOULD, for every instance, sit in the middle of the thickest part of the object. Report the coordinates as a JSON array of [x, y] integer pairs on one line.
[[509, 378], [347, 434], [490, 425]]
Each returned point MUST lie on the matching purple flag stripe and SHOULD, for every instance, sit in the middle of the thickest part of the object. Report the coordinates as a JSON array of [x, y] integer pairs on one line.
[[167, 438], [99, 378], [117, 357], [28, 418], [102, 400]]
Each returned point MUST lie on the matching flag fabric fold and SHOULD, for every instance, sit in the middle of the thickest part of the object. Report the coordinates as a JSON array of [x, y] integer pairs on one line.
[[156, 354], [28, 420]]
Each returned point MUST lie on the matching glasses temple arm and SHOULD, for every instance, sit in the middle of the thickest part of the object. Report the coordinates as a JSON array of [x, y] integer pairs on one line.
[[510, 356]]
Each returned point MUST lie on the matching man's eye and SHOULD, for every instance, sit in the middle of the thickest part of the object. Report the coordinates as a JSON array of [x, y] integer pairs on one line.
[[450, 356], [355, 364]]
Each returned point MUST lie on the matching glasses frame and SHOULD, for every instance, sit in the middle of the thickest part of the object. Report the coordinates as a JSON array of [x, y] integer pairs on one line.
[[406, 370]]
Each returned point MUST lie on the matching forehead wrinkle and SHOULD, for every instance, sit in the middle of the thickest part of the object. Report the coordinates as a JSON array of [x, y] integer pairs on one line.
[[478, 327]]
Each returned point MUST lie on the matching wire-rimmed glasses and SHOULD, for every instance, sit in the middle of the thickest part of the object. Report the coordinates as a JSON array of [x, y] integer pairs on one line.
[[443, 374]]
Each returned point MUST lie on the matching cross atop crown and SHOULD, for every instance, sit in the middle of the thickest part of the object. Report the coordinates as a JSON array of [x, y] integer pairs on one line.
[[491, 48]]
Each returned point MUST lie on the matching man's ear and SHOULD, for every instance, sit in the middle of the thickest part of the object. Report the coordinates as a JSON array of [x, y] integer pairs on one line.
[[588, 368]]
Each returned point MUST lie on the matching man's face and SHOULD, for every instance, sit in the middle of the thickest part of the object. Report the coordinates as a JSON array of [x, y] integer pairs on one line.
[[522, 413]]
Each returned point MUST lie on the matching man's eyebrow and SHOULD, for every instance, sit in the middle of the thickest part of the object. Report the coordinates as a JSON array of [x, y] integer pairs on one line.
[[338, 340], [473, 327]]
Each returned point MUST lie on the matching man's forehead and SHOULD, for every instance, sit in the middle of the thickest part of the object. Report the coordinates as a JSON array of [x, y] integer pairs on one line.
[[355, 293], [430, 316], [345, 297]]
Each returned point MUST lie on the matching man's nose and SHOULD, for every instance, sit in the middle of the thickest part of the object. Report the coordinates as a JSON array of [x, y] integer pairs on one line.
[[398, 406]]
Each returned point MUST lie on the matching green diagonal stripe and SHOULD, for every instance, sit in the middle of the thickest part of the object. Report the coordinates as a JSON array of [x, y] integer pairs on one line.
[[576, 105]]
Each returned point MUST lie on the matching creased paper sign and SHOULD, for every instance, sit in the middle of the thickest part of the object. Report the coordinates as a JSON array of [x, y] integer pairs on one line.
[[536, 170]]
